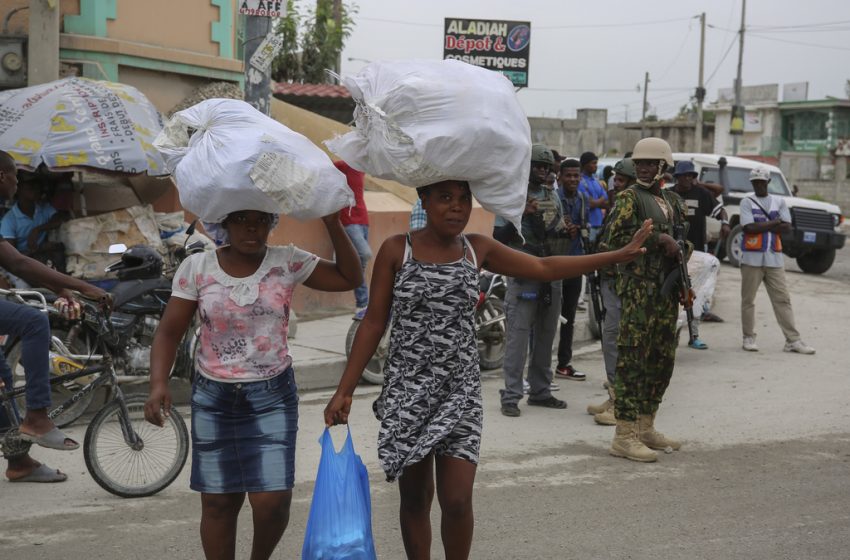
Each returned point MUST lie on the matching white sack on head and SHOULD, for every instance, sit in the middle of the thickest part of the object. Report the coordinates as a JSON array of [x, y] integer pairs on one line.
[[226, 156], [420, 122]]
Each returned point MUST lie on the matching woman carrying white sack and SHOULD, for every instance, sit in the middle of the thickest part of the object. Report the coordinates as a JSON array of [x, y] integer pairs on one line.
[[244, 400], [430, 406]]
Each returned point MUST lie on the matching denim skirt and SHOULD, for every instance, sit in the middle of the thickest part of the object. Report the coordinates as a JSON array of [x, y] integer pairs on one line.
[[243, 435]]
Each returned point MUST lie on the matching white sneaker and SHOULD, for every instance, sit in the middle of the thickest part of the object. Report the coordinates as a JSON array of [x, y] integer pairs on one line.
[[526, 388], [750, 344], [799, 347]]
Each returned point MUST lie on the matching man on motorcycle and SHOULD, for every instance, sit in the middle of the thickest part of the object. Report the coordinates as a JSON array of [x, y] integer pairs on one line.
[[32, 327]]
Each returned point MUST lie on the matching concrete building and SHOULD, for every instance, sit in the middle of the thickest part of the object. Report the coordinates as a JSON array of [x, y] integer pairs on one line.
[[165, 48], [169, 48], [590, 131], [808, 139]]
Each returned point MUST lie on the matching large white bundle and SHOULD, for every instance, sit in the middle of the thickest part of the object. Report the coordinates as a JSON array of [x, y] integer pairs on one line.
[[237, 158], [423, 121]]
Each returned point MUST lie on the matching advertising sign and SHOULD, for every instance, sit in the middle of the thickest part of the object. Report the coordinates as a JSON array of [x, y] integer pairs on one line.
[[502, 46], [736, 126], [268, 8]]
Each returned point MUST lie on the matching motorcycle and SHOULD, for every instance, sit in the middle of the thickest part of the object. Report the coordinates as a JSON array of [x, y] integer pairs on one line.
[[139, 300], [490, 326]]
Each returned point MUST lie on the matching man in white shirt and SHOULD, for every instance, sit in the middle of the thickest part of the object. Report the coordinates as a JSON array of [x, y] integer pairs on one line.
[[764, 218]]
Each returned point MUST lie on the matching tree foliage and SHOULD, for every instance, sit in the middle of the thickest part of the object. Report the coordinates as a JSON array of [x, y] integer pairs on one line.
[[313, 39]]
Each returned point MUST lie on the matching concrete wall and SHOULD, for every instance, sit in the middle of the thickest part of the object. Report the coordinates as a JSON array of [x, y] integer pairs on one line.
[[763, 142], [836, 192], [181, 24], [809, 166], [163, 90], [571, 137], [806, 171], [20, 22]]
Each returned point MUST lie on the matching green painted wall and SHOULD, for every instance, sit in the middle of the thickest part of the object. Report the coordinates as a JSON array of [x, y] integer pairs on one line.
[[222, 30], [110, 62], [92, 18]]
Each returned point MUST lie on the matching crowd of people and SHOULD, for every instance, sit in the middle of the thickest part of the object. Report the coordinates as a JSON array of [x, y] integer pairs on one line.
[[633, 227]]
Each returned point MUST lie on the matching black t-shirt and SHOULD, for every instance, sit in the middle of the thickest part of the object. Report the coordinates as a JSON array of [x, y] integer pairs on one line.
[[700, 205]]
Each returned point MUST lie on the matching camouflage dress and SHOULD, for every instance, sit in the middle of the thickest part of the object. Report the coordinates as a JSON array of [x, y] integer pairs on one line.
[[646, 343], [431, 398]]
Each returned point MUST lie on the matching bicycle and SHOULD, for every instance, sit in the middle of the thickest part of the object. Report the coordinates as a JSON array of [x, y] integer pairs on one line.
[[125, 455]]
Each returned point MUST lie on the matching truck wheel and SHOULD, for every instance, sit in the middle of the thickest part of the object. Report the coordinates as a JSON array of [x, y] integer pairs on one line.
[[734, 246], [816, 262]]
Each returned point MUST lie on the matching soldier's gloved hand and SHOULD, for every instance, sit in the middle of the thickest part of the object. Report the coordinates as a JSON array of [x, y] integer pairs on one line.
[[668, 245]]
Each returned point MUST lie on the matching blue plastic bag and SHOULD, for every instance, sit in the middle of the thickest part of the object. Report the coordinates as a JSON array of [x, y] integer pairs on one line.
[[340, 522]]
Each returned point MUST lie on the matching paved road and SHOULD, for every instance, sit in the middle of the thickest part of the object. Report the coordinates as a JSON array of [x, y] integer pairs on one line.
[[763, 474], [840, 270]]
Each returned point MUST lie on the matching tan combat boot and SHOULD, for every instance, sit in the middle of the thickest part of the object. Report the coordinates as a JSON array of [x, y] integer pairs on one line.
[[600, 408], [606, 418], [653, 438], [626, 444]]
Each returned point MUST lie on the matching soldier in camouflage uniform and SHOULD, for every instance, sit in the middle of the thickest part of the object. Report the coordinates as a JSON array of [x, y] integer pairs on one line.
[[646, 343], [603, 414]]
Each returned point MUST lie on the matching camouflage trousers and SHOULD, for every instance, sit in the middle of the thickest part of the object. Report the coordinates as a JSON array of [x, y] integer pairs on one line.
[[646, 347]]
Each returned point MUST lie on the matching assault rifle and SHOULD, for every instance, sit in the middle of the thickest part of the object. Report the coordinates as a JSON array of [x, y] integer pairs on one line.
[[594, 283], [679, 275]]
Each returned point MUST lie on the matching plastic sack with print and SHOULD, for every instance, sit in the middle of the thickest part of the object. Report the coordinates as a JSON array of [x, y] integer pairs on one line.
[[340, 522], [226, 156]]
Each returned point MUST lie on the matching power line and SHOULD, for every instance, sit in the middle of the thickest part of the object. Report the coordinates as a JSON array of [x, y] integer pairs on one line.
[[678, 54], [399, 22], [800, 26], [540, 27], [716, 68], [605, 25], [833, 47]]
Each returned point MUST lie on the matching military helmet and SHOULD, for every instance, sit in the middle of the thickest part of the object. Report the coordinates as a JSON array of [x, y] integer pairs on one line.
[[625, 167], [541, 153], [653, 148], [759, 173]]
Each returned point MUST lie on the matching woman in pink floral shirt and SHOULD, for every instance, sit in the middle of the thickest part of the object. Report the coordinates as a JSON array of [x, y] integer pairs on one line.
[[244, 401]]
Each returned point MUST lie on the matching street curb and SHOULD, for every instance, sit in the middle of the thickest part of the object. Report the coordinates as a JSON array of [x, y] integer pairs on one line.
[[325, 373]]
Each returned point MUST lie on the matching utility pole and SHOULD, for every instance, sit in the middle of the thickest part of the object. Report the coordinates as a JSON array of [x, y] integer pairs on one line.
[[738, 79], [258, 86], [700, 94], [643, 112], [337, 13], [43, 57]]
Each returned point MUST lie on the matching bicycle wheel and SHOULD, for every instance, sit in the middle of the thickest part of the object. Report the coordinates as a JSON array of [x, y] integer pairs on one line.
[[135, 471], [374, 370], [58, 393]]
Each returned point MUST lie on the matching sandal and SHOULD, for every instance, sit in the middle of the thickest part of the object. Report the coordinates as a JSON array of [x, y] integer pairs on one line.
[[550, 402], [54, 439], [42, 473]]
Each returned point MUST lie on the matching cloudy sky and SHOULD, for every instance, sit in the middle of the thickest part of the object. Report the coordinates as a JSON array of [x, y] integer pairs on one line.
[[595, 53]]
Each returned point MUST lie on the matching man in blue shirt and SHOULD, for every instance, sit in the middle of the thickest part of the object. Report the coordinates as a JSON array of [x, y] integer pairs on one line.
[[26, 225], [595, 192], [575, 206]]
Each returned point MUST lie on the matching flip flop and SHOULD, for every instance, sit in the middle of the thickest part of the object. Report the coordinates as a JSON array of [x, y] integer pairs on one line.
[[54, 439], [42, 473]]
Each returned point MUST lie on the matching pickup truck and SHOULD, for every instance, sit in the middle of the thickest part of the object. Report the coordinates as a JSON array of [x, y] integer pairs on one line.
[[815, 235]]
